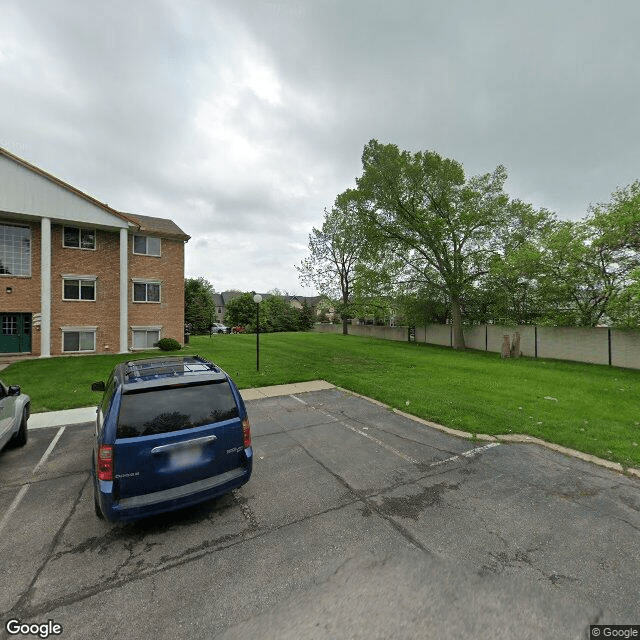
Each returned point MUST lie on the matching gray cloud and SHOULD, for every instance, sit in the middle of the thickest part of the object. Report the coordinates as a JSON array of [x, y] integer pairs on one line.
[[242, 121]]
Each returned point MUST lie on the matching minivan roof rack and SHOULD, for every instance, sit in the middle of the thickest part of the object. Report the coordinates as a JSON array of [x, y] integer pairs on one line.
[[155, 367]]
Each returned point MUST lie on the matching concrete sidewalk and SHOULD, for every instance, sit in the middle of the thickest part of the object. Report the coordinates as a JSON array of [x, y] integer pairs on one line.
[[83, 415]]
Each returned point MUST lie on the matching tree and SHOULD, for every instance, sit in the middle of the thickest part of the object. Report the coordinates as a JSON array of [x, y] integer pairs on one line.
[[580, 275], [198, 304], [511, 291], [305, 317], [241, 311], [624, 306], [616, 231], [335, 250], [439, 226], [278, 314], [619, 220]]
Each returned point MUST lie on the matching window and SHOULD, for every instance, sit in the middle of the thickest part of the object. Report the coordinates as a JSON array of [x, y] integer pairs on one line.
[[79, 288], [10, 325], [78, 340], [145, 338], [15, 250], [169, 410], [146, 292], [77, 238], [146, 246], [108, 395]]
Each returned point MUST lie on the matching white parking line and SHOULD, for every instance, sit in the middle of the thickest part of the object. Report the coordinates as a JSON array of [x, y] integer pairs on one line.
[[405, 457], [23, 490], [466, 454], [49, 450], [13, 506]]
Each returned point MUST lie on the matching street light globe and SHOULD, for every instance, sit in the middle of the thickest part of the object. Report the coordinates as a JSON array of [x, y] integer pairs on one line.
[[257, 298]]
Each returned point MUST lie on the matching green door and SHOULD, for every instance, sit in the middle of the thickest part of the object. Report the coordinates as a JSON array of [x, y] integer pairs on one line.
[[15, 332]]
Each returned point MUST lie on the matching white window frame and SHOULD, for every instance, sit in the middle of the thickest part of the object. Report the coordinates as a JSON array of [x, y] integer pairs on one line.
[[21, 259], [146, 251], [146, 282], [81, 279], [147, 330], [80, 230], [79, 330]]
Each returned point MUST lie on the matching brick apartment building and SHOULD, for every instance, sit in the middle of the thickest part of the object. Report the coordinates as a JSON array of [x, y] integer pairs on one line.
[[77, 276]]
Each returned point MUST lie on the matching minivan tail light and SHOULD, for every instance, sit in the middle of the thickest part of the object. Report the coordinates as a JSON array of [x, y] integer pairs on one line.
[[105, 462], [246, 433]]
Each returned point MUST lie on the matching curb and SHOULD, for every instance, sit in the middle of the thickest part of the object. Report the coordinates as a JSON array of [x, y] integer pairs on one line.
[[511, 438], [83, 415]]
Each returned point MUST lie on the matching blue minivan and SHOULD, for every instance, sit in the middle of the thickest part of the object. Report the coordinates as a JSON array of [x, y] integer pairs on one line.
[[170, 432]]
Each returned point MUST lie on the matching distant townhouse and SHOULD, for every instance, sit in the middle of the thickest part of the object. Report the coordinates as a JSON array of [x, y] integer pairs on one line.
[[77, 276], [220, 301]]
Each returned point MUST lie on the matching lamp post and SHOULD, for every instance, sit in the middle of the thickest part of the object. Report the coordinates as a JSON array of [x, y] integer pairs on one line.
[[257, 299]]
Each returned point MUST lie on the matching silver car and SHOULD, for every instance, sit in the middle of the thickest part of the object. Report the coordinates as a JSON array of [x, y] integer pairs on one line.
[[15, 409], [218, 327]]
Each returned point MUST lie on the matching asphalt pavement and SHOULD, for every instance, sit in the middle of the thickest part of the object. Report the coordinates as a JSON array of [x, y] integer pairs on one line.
[[358, 522]]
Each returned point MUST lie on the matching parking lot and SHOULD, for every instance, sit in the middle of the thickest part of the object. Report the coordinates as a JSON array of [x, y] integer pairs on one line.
[[357, 522]]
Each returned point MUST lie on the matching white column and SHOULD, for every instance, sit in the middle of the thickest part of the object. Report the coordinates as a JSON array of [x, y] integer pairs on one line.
[[45, 288], [124, 291]]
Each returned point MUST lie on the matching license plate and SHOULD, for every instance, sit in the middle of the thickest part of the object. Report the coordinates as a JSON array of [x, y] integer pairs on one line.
[[185, 457]]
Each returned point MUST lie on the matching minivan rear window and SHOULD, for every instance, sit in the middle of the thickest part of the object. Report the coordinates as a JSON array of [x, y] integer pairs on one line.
[[175, 408]]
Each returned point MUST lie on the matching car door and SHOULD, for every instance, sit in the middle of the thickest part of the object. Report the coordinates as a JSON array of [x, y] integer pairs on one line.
[[7, 407]]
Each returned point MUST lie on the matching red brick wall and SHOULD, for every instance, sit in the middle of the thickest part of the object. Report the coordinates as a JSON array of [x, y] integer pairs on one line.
[[103, 262], [25, 290], [169, 270]]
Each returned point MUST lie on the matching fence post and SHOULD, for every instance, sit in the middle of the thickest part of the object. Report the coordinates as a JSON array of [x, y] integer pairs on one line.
[[535, 341], [609, 337]]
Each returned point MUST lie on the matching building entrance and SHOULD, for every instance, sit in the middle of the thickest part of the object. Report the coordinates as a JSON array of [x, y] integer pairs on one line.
[[15, 332]]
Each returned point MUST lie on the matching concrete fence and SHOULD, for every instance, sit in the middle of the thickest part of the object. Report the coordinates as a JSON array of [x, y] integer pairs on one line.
[[598, 345]]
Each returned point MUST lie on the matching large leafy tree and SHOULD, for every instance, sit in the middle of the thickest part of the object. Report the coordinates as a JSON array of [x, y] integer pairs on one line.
[[618, 221], [335, 251], [198, 304], [582, 275], [511, 292], [616, 234], [439, 227]]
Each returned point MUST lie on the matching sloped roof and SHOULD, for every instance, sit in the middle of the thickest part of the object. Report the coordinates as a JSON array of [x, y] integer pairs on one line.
[[64, 185], [147, 224], [160, 226], [221, 299], [310, 301]]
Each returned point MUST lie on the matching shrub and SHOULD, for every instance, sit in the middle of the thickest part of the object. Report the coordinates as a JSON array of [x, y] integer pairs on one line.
[[169, 344]]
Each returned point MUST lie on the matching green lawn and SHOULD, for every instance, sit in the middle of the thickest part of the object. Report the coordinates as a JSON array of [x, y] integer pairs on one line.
[[591, 408]]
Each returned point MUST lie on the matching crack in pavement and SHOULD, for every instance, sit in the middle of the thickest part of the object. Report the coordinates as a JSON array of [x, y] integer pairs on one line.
[[24, 610], [22, 603]]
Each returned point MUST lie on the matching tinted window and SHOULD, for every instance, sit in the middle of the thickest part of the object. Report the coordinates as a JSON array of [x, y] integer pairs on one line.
[[166, 410], [108, 394]]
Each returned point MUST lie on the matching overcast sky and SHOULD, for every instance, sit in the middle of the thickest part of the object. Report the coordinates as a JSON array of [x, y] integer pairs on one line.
[[241, 120]]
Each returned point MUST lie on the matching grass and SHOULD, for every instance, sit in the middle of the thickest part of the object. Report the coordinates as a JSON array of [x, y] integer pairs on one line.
[[590, 408]]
